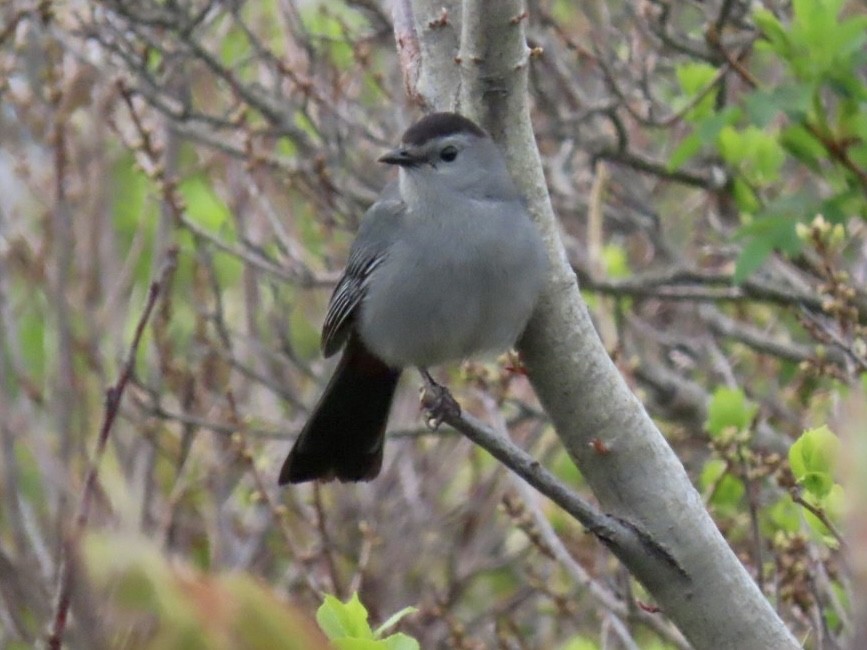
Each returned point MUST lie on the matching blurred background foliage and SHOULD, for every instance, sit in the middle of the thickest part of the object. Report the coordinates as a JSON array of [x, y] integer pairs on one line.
[[708, 163]]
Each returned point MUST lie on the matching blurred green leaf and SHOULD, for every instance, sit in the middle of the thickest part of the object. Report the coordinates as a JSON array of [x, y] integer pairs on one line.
[[134, 213], [813, 458], [833, 503], [773, 31], [338, 619], [729, 407], [773, 228], [205, 207], [234, 47], [745, 197], [349, 643], [752, 256], [31, 337], [790, 98], [187, 610], [694, 78], [783, 515], [757, 154], [401, 641], [729, 490], [616, 261], [580, 643], [705, 133], [799, 142]]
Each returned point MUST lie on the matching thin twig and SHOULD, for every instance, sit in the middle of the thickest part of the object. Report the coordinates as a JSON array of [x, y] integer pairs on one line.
[[624, 538], [113, 398]]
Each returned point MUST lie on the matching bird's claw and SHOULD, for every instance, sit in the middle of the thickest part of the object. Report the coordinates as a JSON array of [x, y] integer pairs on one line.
[[438, 402]]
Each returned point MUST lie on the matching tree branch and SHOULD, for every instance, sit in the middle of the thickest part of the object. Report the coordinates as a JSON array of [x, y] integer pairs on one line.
[[683, 561], [112, 407]]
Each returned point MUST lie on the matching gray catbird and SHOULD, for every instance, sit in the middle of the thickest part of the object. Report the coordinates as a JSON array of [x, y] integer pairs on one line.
[[446, 264]]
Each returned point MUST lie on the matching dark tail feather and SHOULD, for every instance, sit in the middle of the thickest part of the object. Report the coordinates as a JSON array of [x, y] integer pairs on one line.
[[345, 435]]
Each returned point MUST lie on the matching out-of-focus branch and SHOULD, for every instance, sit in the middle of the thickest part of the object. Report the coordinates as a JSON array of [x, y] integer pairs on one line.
[[113, 398]]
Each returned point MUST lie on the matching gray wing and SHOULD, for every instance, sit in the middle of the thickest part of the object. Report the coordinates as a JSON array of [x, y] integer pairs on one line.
[[379, 226]]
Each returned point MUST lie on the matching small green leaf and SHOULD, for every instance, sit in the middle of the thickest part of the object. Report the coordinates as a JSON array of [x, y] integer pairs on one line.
[[813, 457], [729, 407], [616, 261], [340, 620], [580, 643], [792, 98], [706, 132], [729, 490], [773, 31], [751, 258], [203, 205], [687, 148], [234, 47], [745, 197], [784, 515], [401, 641], [833, 505], [348, 643], [694, 79], [799, 142], [772, 229], [757, 154]]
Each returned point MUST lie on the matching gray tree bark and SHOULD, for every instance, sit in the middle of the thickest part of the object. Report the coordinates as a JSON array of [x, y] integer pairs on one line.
[[706, 591]]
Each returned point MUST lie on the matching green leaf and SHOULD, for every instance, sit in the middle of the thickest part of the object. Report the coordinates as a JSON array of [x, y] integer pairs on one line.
[[401, 641], [729, 407], [745, 197], [580, 643], [616, 261], [134, 214], [203, 205], [799, 142], [705, 133], [833, 503], [840, 207], [394, 619], [694, 78], [757, 154], [791, 98], [752, 256], [813, 457], [773, 229], [687, 148], [348, 643], [729, 489], [339, 620], [784, 515], [773, 30], [234, 47]]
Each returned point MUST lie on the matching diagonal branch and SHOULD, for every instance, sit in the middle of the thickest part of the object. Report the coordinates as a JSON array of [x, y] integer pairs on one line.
[[112, 407]]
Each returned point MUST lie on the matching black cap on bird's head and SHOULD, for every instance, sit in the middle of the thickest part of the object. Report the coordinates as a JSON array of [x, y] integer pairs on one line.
[[430, 127], [439, 125]]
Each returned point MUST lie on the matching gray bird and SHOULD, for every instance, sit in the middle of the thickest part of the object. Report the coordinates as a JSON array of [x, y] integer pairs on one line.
[[446, 265]]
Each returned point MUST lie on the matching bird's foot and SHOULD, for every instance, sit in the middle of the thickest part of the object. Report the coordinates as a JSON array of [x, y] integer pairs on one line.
[[437, 401]]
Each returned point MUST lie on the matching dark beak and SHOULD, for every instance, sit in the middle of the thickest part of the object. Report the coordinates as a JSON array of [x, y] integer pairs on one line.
[[400, 156]]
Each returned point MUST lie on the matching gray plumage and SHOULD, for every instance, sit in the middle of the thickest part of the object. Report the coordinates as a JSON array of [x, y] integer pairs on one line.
[[446, 265]]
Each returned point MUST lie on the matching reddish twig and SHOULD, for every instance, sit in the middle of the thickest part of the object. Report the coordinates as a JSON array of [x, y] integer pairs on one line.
[[113, 397]]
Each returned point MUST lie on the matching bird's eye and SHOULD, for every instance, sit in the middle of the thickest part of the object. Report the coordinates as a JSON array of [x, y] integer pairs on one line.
[[449, 153]]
